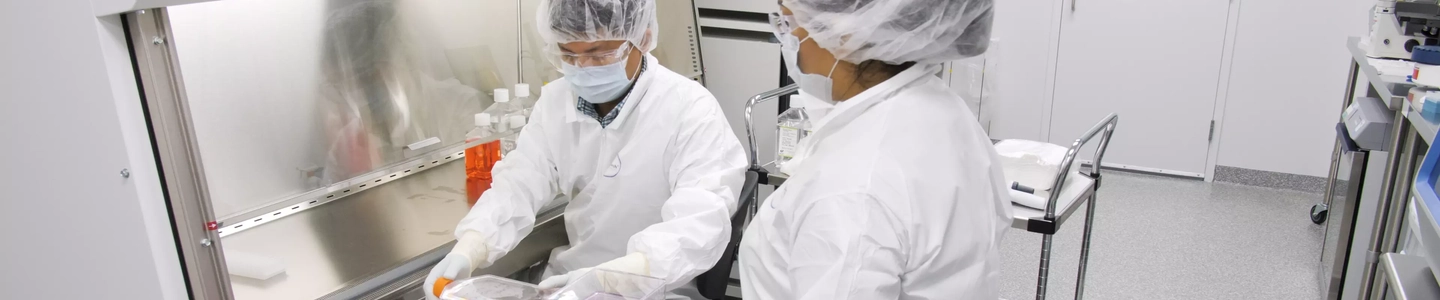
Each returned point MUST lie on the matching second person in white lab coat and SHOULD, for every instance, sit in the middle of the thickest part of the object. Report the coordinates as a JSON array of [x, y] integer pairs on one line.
[[897, 193], [649, 166]]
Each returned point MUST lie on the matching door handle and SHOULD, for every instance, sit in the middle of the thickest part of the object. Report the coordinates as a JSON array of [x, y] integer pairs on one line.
[[1072, 5]]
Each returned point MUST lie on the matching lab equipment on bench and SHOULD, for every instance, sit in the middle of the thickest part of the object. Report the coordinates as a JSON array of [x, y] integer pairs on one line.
[[1368, 121], [1427, 66], [1387, 37], [1426, 101], [1397, 27]]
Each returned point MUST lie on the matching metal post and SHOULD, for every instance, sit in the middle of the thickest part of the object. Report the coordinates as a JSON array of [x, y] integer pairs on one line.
[[1335, 152], [1042, 283], [1387, 234], [1085, 248], [1392, 185], [178, 153]]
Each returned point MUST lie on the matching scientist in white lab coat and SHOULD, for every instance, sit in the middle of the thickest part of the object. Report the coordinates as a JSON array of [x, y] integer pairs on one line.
[[897, 193], [645, 157]]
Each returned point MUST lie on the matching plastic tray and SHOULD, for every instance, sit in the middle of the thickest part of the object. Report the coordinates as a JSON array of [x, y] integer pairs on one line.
[[489, 287]]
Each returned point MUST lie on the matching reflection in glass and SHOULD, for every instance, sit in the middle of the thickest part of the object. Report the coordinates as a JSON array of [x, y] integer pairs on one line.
[[288, 96]]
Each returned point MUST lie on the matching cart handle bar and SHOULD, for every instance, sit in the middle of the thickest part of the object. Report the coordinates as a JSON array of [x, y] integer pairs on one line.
[[749, 120], [1108, 127]]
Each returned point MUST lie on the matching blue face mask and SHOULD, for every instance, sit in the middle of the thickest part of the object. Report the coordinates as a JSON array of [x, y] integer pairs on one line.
[[598, 84], [819, 86]]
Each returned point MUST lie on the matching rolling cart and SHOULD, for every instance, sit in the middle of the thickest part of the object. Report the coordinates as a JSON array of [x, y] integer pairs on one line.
[[1071, 191]]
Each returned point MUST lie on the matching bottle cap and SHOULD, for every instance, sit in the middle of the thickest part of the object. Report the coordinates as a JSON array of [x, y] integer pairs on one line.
[[502, 95], [522, 90], [482, 119], [1429, 55], [517, 121]]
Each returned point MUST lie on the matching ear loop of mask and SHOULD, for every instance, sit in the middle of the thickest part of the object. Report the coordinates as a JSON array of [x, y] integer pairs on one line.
[[629, 52], [797, 56], [832, 69], [831, 76]]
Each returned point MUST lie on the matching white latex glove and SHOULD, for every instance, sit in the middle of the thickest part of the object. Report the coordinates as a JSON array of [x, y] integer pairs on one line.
[[452, 267], [635, 263], [558, 281], [457, 265]]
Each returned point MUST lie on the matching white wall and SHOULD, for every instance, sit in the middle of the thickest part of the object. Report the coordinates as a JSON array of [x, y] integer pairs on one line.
[[1287, 78], [1020, 108], [1289, 59], [66, 212]]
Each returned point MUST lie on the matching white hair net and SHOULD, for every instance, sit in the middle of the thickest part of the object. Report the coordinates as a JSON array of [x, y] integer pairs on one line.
[[566, 21], [897, 31]]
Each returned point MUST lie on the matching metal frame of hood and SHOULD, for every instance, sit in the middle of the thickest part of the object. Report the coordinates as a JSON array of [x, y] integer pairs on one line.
[[177, 154]]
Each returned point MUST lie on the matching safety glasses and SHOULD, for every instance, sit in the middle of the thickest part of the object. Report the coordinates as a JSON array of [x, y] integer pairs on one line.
[[782, 24], [589, 59]]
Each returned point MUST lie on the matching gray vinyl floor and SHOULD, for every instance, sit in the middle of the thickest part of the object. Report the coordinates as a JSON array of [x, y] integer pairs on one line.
[[1167, 238]]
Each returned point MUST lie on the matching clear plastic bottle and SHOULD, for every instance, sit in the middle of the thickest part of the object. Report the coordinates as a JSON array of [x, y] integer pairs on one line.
[[515, 121], [791, 126], [502, 107], [510, 117], [480, 160], [522, 98]]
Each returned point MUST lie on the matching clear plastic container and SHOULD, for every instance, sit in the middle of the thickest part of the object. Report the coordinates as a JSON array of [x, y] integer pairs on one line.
[[791, 126], [601, 284], [490, 287]]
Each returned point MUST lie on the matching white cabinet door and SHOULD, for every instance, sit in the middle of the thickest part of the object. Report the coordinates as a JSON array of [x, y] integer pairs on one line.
[[1022, 49], [736, 69], [1156, 64]]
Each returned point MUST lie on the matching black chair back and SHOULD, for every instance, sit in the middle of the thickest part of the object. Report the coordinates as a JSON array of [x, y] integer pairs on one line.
[[712, 283]]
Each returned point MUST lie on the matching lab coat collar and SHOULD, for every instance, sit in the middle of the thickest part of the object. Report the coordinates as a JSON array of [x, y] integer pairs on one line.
[[632, 99], [849, 109]]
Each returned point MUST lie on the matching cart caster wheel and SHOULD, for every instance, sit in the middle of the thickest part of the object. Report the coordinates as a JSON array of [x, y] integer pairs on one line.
[[1319, 212]]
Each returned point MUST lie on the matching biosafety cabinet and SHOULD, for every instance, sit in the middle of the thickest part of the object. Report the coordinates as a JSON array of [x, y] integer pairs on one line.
[[314, 148]]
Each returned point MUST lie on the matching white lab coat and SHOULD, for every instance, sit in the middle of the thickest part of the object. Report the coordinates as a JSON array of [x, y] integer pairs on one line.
[[662, 179], [897, 194]]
